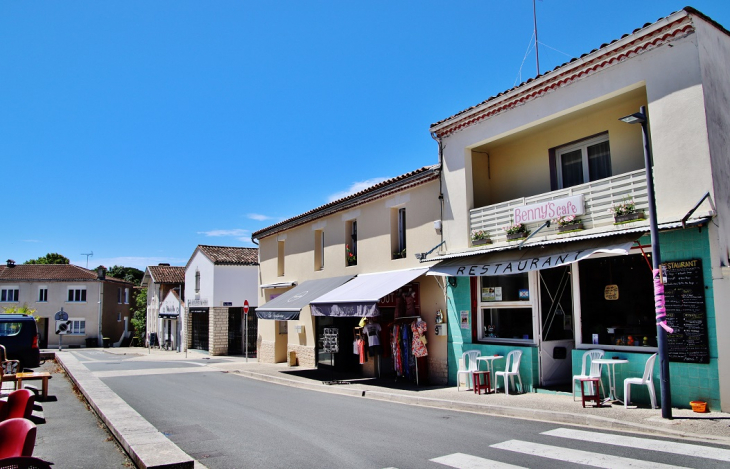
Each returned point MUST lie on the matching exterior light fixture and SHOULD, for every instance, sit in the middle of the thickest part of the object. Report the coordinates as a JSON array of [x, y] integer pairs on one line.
[[642, 118]]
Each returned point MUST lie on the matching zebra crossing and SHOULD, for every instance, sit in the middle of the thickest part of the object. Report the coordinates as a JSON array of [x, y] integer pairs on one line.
[[705, 456]]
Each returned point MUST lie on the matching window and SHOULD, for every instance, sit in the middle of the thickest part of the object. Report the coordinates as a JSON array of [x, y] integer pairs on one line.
[[626, 315], [119, 295], [319, 250], [42, 294], [506, 308], [119, 317], [126, 296], [398, 234], [10, 329], [10, 294], [77, 294], [583, 161], [280, 258], [197, 281], [78, 327], [351, 244]]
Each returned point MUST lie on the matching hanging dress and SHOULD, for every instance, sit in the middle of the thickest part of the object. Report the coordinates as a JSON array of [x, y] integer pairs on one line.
[[419, 338]]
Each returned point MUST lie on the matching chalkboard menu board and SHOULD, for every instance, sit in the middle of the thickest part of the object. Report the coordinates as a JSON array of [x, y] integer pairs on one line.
[[684, 293]]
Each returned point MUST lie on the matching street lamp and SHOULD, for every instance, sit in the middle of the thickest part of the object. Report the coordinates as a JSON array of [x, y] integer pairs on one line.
[[642, 118]]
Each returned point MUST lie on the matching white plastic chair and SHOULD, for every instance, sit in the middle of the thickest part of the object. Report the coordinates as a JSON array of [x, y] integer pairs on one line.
[[513, 359], [594, 372], [647, 379], [470, 364]]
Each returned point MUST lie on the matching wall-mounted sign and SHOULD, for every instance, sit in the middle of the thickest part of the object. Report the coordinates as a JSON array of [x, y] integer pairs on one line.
[[227, 303], [198, 302], [492, 294], [610, 292], [548, 210], [524, 294], [465, 320]]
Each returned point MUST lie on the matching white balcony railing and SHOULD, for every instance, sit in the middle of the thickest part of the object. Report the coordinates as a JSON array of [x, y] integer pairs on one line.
[[599, 196]]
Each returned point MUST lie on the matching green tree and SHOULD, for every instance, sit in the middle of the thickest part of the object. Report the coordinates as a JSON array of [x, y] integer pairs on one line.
[[129, 274], [139, 314], [50, 258]]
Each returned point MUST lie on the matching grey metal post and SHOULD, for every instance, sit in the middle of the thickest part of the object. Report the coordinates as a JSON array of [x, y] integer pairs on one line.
[[665, 388], [245, 332]]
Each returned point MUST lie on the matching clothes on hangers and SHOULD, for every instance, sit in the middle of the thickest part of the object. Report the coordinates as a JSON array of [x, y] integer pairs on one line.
[[419, 338]]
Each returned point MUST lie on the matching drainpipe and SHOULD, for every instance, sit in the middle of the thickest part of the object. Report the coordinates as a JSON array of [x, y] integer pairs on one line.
[[435, 136], [100, 276]]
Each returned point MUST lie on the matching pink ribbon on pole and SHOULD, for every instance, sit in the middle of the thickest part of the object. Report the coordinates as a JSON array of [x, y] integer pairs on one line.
[[661, 311]]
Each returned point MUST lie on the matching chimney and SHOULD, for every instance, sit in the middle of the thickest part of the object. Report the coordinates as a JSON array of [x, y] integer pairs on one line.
[[101, 272], [164, 264], [11, 263]]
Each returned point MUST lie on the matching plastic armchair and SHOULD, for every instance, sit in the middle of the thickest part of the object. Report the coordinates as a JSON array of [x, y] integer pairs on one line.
[[470, 364], [647, 379], [511, 369], [24, 462], [17, 437], [593, 372], [19, 405]]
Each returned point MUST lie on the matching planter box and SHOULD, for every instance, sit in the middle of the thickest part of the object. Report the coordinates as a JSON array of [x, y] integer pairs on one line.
[[638, 215], [514, 236], [479, 242], [568, 228]]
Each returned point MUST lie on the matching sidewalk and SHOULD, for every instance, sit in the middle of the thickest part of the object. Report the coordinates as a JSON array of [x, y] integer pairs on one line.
[[548, 407]]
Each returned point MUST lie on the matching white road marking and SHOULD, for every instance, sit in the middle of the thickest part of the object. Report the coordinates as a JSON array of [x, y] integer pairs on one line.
[[585, 458], [467, 461], [685, 449]]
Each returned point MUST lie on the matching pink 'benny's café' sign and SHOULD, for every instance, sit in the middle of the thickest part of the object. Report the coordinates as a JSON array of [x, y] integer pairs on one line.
[[548, 210]]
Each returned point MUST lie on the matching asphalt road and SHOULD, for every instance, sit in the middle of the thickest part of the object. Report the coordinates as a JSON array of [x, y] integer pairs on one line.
[[227, 421]]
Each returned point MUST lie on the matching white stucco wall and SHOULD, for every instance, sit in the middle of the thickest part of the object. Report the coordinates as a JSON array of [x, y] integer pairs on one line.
[[236, 283], [200, 263]]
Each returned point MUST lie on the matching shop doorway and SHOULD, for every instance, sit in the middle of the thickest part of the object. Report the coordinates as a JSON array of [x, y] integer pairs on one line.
[[556, 327], [235, 331], [199, 339], [335, 338]]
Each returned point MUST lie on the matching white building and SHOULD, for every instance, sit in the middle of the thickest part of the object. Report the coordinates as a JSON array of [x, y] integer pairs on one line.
[[160, 280]]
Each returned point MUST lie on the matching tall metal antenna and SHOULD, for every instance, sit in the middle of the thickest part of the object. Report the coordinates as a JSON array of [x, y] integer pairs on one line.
[[537, 54], [91, 254]]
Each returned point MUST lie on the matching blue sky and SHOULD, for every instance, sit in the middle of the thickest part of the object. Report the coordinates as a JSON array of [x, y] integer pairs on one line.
[[138, 130]]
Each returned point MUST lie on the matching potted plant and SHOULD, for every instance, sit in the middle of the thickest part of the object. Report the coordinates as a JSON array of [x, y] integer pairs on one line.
[[399, 254], [479, 237], [626, 211], [350, 258], [568, 223], [516, 231]]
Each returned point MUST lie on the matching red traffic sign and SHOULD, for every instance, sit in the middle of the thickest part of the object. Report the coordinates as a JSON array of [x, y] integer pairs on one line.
[[245, 307]]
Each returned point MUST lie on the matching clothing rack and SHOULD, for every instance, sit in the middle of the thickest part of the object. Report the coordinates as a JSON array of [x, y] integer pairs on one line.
[[406, 320]]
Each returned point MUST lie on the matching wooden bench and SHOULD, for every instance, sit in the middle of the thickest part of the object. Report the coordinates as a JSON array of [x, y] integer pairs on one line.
[[20, 377]]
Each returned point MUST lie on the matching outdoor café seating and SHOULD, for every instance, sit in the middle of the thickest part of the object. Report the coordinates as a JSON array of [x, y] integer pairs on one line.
[[467, 366], [17, 438], [511, 369], [593, 372], [647, 379], [18, 405]]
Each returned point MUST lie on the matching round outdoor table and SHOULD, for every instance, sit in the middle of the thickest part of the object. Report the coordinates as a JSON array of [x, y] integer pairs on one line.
[[611, 362], [489, 359]]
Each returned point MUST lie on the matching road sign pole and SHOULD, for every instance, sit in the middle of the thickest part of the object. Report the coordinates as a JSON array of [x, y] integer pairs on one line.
[[245, 327]]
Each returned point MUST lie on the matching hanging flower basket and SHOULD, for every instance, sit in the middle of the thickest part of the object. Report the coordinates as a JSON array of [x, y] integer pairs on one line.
[[479, 242], [637, 215], [516, 236], [569, 228]]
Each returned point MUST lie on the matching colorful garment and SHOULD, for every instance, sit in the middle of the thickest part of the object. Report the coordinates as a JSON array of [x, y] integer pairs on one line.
[[419, 338], [361, 350]]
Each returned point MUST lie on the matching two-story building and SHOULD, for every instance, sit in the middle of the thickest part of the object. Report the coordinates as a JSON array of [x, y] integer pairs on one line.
[[98, 306], [219, 281], [555, 146], [165, 291], [343, 286]]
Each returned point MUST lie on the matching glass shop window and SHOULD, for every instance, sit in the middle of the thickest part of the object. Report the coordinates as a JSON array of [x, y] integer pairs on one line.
[[506, 308]]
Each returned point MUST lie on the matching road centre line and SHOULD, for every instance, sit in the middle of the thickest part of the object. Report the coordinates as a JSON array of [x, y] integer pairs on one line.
[[585, 458], [697, 451], [467, 461]]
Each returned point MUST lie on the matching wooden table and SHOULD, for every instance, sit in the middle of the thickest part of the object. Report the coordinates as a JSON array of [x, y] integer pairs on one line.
[[20, 377]]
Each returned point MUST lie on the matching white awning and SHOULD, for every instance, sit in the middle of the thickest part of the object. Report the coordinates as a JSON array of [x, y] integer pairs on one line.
[[515, 261], [359, 297]]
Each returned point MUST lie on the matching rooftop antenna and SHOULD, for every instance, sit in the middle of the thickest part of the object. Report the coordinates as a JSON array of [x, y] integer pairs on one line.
[[537, 54], [91, 254]]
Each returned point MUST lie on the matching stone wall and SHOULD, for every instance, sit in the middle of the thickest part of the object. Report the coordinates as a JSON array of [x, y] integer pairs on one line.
[[267, 351], [188, 329], [305, 355], [438, 371], [218, 331]]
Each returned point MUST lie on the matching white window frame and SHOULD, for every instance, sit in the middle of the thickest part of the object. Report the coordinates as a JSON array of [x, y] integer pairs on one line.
[[42, 294], [583, 147], [11, 291], [76, 326], [119, 296], [126, 296], [532, 303], [76, 288]]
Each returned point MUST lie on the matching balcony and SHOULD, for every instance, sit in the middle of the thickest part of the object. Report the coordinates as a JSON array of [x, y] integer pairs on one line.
[[599, 196]]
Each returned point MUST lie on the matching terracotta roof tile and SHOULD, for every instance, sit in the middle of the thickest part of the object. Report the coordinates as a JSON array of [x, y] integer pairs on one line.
[[49, 272], [224, 255], [167, 274]]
